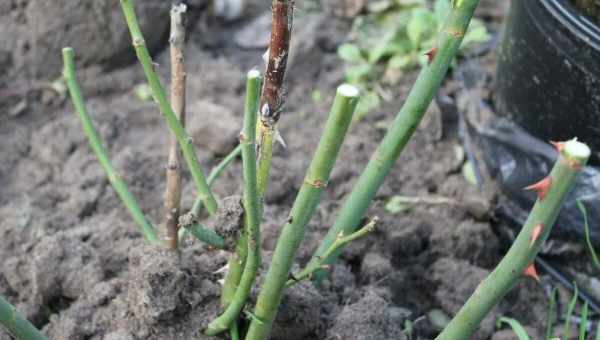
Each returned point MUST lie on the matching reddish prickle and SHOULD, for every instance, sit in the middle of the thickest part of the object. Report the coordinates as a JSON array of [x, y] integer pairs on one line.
[[559, 146], [541, 187], [535, 234], [431, 54], [531, 272]]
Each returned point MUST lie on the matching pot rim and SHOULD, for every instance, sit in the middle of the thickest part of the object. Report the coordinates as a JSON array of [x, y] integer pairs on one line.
[[580, 25]]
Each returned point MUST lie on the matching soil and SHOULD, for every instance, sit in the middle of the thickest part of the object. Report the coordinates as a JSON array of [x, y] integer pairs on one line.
[[74, 264]]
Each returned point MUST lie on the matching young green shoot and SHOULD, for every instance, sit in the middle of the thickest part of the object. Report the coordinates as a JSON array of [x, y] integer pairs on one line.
[[185, 142], [399, 133], [96, 143], [304, 207], [251, 209], [341, 241]]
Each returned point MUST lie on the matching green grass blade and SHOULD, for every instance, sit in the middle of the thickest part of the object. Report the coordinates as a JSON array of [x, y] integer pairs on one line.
[[570, 310], [516, 327], [552, 315], [584, 321], [588, 241]]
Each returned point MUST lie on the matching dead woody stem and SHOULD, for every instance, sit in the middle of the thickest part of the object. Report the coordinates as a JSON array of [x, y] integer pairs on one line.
[[178, 80], [273, 91], [272, 94]]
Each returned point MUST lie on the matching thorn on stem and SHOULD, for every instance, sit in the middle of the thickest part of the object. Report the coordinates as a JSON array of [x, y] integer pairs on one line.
[[535, 234], [431, 54], [531, 272], [541, 187], [559, 146]]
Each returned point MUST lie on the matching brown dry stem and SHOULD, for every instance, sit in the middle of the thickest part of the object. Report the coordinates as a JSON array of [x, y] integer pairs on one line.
[[273, 92], [178, 80]]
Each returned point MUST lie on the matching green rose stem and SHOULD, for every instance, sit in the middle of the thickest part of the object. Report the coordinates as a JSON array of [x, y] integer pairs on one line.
[[518, 261], [400, 131], [96, 143], [251, 209], [16, 325], [185, 142], [304, 207]]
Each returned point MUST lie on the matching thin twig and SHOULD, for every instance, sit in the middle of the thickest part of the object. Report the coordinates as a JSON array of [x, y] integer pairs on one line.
[[191, 217], [340, 242], [178, 78], [185, 142], [96, 143]]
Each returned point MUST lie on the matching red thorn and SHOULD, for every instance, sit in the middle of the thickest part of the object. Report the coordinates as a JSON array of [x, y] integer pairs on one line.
[[541, 187], [559, 146], [431, 54], [531, 272], [535, 234]]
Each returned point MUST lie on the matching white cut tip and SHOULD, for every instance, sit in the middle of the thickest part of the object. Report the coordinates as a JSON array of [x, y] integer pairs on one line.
[[180, 8], [348, 90], [253, 74], [577, 149]]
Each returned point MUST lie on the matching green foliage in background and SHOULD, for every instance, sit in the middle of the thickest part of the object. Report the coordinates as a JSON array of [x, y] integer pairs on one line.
[[582, 331], [392, 38]]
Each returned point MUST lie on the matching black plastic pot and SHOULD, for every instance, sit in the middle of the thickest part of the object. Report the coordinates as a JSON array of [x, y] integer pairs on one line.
[[548, 76]]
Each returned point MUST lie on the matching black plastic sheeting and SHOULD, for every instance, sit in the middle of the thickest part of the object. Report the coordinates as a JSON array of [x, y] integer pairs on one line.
[[515, 159]]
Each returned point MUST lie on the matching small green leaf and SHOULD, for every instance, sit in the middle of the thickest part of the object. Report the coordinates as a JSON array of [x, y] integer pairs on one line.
[[358, 73], [438, 319], [477, 33], [143, 92], [369, 101], [419, 25], [350, 53], [409, 3], [316, 96], [398, 204], [457, 3], [402, 62], [468, 173], [383, 47], [441, 8], [379, 6], [516, 327]]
